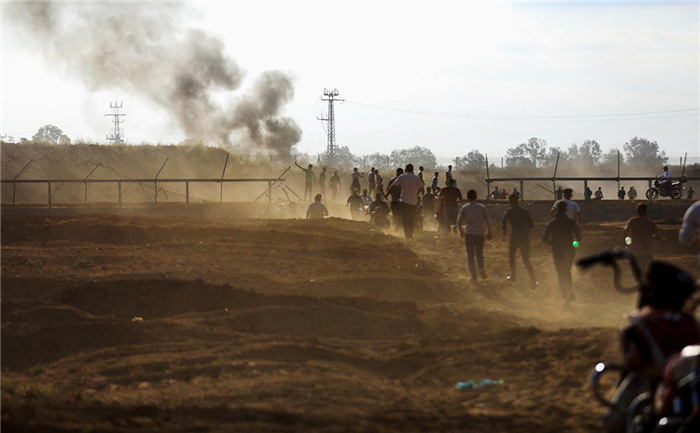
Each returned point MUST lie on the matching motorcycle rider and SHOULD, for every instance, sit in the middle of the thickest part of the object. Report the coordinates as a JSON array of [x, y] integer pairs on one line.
[[378, 211], [666, 184], [656, 332]]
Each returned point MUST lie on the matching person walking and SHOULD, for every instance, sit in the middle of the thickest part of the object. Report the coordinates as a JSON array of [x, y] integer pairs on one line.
[[448, 175], [395, 203], [521, 223], [632, 193], [560, 233], [429, 202], [573, 211], [356, 175], [334, 184], [355, 203], [422, 181], [409, 185], [448, 203], [372, 181], [434, 185], [310, 178], [316, 210], [621, 194], [638, 233], [322, 180], [473, 220]]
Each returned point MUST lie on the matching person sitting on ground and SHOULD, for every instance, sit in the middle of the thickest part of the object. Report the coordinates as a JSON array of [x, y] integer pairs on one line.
[[316, 210], [621, 194], [632, 193], [448, 206], [599, 194], [378, 211], [638, 233], [355, 204], [573, 211]]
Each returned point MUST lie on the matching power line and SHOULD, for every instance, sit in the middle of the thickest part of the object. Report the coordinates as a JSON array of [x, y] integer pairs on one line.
[[560, 118]]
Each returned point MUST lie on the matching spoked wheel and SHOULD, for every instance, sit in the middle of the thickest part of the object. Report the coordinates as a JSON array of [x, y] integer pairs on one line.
[[676, 193], [652, 193]]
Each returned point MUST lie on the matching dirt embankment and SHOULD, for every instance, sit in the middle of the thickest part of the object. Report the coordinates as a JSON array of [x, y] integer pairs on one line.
[[178, 324]]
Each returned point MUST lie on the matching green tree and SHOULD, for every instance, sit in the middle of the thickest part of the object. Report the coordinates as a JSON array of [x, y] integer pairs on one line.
[[50, 134], [472, 160], [590, 152], [532, 153], [610, 157], [416, 155], [643, 152]]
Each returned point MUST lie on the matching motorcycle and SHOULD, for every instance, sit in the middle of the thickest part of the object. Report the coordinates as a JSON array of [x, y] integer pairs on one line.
[[378, 217], [649, 412], [664, 189]]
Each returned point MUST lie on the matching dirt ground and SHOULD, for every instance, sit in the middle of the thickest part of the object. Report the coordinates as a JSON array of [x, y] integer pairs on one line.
[[137, 324]]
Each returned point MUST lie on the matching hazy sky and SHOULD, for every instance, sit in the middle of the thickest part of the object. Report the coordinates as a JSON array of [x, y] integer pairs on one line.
[[479, 62]]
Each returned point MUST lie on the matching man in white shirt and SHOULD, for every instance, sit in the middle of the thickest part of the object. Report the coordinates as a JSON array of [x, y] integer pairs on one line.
[[573, 211], [688, 234], [316, 210], [410, 184]]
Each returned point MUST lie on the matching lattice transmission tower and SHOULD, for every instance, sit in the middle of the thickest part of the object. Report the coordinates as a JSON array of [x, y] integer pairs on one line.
[[117, 135], [331, 96]]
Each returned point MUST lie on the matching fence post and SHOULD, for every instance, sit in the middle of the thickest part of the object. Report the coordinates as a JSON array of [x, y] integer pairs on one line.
[[49, 191], [522, 189], [86, 186], [585, 187], [649, 180], [269, 191], [187, 192], [119, 189], [14, 191]]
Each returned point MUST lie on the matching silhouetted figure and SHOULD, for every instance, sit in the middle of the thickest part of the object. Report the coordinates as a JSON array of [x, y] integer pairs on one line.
[[621, 194], [559, 194], [599, 194], [435, 185], [588, 194], [334, 184], [317, 210], [632, 193], [521, 223], [448, 175], [515, 193], [322, 180], [472, 222], [496, 193], [448, 206], [573, 211], [560, 233], [395, 199], [355, 175], [372, 181], [355, 204], [638, 234], [691, 193], [429, 201], [422, 181], [378, 211], [380, 182]]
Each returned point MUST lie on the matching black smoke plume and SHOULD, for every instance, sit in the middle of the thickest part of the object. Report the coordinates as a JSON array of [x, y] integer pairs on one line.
[[145, 49]]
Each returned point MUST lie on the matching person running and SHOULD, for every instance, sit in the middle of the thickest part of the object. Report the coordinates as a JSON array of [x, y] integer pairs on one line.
[[334, 184], [317, 210], [322, 180], [448, 204], [632, 193], [435, 183], [378, 210], [688, 235], [380, 182], [472, 221], [599, 194], [588, 194], [310, 178], [559, 194], [573, 211], [448, 175], [621, 194], [521, 223], [366, 199], [560, 234], [395, 199], [355, 204], [356, 175], [409, 185], [638, 233], [372, 181], [691, 193]]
